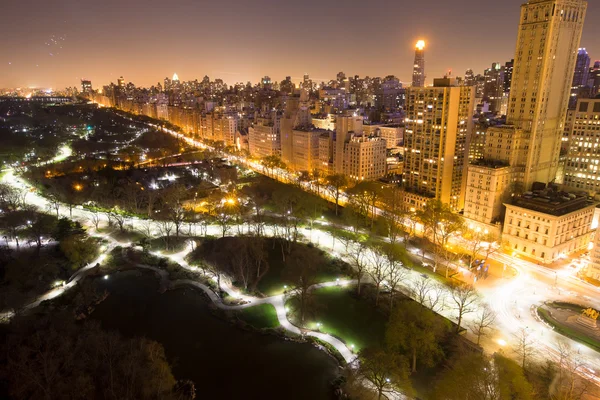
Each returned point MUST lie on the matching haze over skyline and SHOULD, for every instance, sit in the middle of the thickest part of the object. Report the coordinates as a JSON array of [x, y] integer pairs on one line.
[[57, 44]]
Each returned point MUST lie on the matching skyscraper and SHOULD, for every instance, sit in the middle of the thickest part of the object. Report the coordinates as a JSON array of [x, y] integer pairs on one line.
[[493, 90], [529, 144], [594, 79], [121, 82], [539, 96], [419, 66], [580, 78], [469, 78], [508, 73]]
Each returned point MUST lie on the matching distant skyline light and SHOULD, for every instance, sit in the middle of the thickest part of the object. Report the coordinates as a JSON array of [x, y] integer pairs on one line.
[[56, 44], [421, 44]]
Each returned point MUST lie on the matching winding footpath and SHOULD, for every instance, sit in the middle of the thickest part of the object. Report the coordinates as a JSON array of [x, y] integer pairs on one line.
[[278, 302]]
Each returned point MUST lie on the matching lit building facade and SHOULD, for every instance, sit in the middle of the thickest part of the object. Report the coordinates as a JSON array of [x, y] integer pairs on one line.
[[264, 138], [582, 168], [542, 74], [548, 226], [436, 142], [580, 87], [419, 65]]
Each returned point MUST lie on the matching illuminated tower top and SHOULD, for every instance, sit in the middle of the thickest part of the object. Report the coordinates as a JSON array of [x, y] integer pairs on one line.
[[419, 65], [175, 77]]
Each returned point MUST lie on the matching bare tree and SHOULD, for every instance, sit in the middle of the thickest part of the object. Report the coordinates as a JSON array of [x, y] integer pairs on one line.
[[464, 298], [119, 218], [53, 204], [525, 346], [429, 294], [437, 298], [395, 273], [359, 261], [336, 184], [569, 384], [95, 218], [378, 270], [483, 322], [165, 229], [420, 290], [302, 270], [224, 221]]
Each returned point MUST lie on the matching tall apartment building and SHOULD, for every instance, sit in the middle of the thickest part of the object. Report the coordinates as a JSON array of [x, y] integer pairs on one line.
[[365, 158], [419, 65], [296, 115], [582, 168], [436, 143], [393, 134], [264, 138], [220, 127], [547, 46], [493, 91], [594, 79], [305, 149]]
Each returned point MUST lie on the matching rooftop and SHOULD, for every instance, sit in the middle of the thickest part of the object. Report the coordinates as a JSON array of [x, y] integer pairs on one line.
[[553, 202], [490, 163]]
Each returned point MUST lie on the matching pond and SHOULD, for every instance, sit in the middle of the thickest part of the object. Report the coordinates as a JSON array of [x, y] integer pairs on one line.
[[224, 361]]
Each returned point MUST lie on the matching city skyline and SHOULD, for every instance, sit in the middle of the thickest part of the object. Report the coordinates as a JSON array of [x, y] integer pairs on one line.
[[57, 45]]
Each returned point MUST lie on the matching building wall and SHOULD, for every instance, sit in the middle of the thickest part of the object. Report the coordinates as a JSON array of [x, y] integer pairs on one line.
[[546, 237], [365, 158], [485, 189], [547, 43], [582, 168], [263, 141], [436, 142], [305, 150]]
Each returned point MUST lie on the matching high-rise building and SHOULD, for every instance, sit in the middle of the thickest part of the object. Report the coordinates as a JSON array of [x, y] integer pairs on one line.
[[582, 169], [264, 138], [436, 143], [594, 79], [539, 96], [469, 78], [121, 82], [365, 157], [493, 91], [508, 74], [86, 86], [524, 154], [419, 65], [580, 78]]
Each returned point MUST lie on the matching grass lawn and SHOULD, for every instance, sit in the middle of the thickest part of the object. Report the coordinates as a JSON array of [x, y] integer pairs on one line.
[[354, 320], [261, 316], [274, 281], [568, 331]]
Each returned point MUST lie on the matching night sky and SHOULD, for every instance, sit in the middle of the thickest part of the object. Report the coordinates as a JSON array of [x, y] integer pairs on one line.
[[54, 43]]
